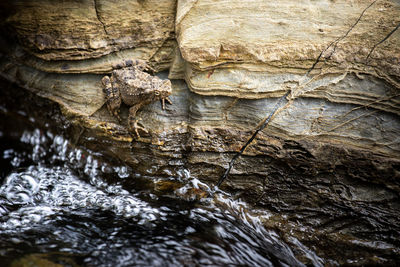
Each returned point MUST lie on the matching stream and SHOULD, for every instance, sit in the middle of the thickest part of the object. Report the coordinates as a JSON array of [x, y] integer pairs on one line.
[[61, 204]]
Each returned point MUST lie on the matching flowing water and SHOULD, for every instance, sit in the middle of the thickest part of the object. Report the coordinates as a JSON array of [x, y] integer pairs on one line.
[[65, 205]]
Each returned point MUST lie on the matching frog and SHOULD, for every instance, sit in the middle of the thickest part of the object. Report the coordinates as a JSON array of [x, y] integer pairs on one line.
[[131, 84]]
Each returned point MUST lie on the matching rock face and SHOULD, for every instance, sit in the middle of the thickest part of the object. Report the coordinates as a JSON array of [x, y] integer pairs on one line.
[[76, 30], [329, 161]]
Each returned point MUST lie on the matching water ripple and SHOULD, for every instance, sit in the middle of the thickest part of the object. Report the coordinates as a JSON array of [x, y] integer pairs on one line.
[[56, 199]]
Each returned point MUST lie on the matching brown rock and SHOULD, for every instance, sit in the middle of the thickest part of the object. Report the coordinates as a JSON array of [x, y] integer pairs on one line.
[[328, 160], [74, 30]]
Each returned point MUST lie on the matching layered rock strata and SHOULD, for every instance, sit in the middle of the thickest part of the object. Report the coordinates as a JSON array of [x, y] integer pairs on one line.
[[330, 154]]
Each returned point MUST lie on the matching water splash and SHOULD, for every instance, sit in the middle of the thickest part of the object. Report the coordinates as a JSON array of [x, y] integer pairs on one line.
[[56, 200], [59, 189]]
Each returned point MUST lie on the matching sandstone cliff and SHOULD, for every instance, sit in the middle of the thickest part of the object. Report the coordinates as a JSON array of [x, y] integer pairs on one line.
[[332, 146]]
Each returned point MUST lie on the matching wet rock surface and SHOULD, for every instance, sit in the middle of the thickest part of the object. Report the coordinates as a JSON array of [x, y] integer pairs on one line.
[[328, 163]]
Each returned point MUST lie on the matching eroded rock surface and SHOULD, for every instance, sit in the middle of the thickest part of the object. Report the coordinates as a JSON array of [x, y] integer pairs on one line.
[[74, 30], [328, 163]]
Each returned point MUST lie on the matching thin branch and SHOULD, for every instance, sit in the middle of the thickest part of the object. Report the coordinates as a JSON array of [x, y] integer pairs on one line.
[[351, 28], [278, 104], [335, 42], [384, 39], [353, 119], [370, 103]]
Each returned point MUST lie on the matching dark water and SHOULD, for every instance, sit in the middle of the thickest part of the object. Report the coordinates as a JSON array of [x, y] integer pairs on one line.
[[56, 207]]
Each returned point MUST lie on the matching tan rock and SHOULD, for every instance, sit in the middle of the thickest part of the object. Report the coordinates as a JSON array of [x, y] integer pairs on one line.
[[75, 30], [332, 148], [79, 94], [259, 48]]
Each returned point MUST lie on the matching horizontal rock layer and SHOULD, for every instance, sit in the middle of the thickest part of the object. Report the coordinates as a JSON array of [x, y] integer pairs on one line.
[[332, 148], [286, 33], [75, 30], [258, 49], [320, 193]]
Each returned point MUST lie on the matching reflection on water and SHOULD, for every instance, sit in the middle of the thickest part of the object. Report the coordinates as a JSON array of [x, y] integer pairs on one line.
[[55, 201]]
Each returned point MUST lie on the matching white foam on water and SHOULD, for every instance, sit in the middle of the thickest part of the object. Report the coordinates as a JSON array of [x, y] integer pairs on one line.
[[42, 191]]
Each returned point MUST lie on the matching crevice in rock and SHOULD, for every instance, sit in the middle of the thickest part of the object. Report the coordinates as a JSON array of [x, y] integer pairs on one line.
[[97, 8], [180, 18]]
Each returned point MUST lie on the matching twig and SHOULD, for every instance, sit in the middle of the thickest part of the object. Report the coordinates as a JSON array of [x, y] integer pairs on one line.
[[278, 104], [384, 39], [370, 103], [351, 28], [350, 120], [338, 39]]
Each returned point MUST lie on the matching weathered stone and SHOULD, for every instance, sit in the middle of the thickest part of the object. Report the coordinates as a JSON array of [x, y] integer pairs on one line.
[[79, 94], [286, 34], [258, 49], [328, 162], [74, 30]]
